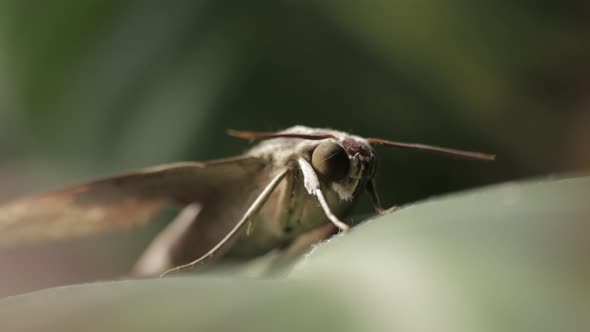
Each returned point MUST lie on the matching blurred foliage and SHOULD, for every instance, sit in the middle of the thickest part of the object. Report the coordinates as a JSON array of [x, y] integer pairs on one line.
[[91, 87], [517, 265]]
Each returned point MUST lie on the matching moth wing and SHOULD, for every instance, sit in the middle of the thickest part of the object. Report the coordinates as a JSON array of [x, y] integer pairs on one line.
[[125, 200]]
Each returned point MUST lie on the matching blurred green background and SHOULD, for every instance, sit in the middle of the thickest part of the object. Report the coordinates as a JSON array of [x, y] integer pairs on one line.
[[92, 87]]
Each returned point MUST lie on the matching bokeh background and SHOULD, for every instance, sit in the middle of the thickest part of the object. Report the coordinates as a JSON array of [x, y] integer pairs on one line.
[[92, 87]]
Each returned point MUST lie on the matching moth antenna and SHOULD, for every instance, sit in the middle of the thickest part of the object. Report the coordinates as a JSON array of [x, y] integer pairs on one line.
[[433, 149], [252, 135]]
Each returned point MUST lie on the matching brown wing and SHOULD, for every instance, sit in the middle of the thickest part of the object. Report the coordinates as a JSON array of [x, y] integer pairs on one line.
[[124, 200]]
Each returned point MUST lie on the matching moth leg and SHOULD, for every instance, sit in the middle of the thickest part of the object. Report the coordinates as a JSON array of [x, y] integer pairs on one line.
[[312, 184], [371, 188], [252, 210], [300, 245]]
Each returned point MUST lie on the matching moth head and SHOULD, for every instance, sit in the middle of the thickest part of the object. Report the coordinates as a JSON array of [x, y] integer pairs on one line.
[[345, 162]]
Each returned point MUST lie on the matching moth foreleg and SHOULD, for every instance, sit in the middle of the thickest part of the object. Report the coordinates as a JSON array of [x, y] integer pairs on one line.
[[252, 210], [312, 184], [372, 189]]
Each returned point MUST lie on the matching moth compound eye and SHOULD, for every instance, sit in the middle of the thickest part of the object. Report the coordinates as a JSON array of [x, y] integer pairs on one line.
[[330, 160]]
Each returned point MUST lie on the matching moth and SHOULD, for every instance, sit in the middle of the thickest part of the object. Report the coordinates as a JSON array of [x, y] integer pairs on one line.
[[288, 192]]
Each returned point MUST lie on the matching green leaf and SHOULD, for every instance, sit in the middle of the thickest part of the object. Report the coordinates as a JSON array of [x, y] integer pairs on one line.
[[507, 258]]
